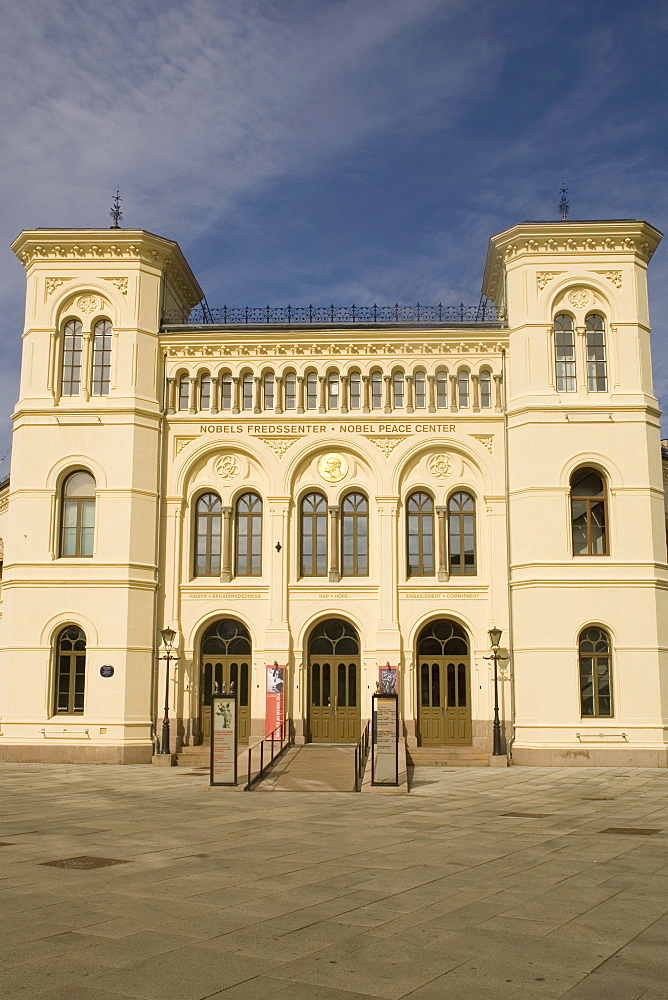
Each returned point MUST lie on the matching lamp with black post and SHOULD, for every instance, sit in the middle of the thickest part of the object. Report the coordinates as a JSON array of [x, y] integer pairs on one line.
[[494, 640], [168, 637]]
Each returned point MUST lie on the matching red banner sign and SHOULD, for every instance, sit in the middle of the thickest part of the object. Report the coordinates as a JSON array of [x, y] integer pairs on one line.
[[275, 716]]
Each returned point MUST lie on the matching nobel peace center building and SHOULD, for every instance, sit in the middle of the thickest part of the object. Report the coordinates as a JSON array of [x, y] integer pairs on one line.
[[354, 495]]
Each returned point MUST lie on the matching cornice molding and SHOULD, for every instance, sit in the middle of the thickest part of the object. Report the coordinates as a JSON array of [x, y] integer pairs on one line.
[[286, 351]]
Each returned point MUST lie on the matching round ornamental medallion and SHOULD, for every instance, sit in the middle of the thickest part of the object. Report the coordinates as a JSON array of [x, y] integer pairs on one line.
[[227, 467], [333, 467], [87, 304], [440, 466], [579, 298]]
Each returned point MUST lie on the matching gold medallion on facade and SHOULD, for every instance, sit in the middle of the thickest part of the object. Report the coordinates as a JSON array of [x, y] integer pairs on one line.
[[333, 467]]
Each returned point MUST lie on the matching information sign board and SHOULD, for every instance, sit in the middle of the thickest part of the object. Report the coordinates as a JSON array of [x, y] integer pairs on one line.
[[385, 740], [224, 739], [275, 715]]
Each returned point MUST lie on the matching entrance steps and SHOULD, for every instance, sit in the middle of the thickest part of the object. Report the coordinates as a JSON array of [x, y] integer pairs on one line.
[[314, 767], [452, 756], [200, 756]]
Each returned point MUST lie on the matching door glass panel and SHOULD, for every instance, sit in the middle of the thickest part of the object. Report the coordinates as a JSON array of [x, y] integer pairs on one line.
[[325, 685], [218, 685], [461, 685], [315, 684], [435, 685], [424, 685], [452, 684], [243, 690], [352, 685], [208, 683], [234, 676], [341, 686]]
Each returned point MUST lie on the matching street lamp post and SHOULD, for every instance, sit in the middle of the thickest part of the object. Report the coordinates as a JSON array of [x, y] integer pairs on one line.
[[494, 640], [168, 636]]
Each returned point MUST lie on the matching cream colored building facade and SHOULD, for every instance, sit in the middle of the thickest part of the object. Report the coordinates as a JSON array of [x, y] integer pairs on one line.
[[336, 497]]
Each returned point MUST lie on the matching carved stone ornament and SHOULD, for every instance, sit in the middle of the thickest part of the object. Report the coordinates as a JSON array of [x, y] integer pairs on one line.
[[227, 467], [333, 467], [614, 276], [279, 445], [579, 298], [543, 278], [87, 304], [182, 442], [120, 283], [440, 466], [53, 283], [485, 439], [386, 444]]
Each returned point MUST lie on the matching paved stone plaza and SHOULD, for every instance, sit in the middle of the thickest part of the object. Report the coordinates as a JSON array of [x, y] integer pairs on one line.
[[306, 896]]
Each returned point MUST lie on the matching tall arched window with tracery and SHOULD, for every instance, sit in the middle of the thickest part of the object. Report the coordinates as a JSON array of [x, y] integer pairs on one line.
[[597, 375], [595, 673], [77, 516], [248, 533], [313, 531], [564, 353], [72, 347], [71, 671], [588, 513], [420, 534], [208, 516], [102, 358], [355, 535], [461, 526]]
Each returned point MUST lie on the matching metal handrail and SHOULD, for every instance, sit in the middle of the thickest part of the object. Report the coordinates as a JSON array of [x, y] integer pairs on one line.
[[284, 741], [361, 755], [484, 312]]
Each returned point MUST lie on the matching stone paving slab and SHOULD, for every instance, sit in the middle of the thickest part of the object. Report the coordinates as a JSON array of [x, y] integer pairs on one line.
[[312, 896]]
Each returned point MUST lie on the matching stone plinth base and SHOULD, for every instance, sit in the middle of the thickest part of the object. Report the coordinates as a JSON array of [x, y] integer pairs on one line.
[[501, 761], [164, 759], [617, 756], [54, 753]]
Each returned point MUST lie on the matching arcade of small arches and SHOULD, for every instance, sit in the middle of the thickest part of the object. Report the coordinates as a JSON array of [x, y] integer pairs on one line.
[[332, 704]]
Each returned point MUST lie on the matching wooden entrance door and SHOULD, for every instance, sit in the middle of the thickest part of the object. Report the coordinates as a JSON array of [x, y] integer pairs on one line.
[[334, 683], [444, 692], [226, 665]]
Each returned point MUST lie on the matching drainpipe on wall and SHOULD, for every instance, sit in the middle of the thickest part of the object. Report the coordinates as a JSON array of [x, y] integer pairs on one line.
[[511, 672], [158, 556]]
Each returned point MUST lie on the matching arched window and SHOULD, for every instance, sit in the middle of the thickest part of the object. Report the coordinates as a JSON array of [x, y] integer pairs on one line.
[[71, 377], [398, 389], [564, 348], [102, 358], [333, 391], [461, 523], [205, 392], [71, 671], [355, 535], [376, 391], [269, 391], [420, 535], [248, 557], [207, 535], [78, 515], [226, 392], [588, 513], [485, 388], [247, 392], [355, 390], [311, 391], [597, 378], [463, 389], [184, 392], [290, 391], [441, 389], [595, 679], [314, 535], [420, 389]]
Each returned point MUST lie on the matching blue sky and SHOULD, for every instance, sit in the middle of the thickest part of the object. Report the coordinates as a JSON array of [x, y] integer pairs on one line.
[[329, 150]]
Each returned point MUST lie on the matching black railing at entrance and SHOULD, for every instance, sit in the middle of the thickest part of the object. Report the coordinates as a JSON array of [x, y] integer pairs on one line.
[[277, 743], [361, 755]]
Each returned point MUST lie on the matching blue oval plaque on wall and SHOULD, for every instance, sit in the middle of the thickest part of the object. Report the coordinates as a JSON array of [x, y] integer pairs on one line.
[[107, 670]]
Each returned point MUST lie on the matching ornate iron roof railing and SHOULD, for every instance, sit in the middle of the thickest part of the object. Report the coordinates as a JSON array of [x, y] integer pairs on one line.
[[484, 312]]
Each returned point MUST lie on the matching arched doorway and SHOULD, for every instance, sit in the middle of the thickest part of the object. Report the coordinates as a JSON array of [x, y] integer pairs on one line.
[[334, 683], [226, 661], [444, 684]]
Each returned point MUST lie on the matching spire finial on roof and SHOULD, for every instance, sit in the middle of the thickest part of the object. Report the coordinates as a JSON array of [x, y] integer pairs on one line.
[[564, 204], [116, 213]]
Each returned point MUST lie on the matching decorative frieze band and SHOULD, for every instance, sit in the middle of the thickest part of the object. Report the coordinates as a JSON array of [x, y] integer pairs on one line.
[[283, 350]]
